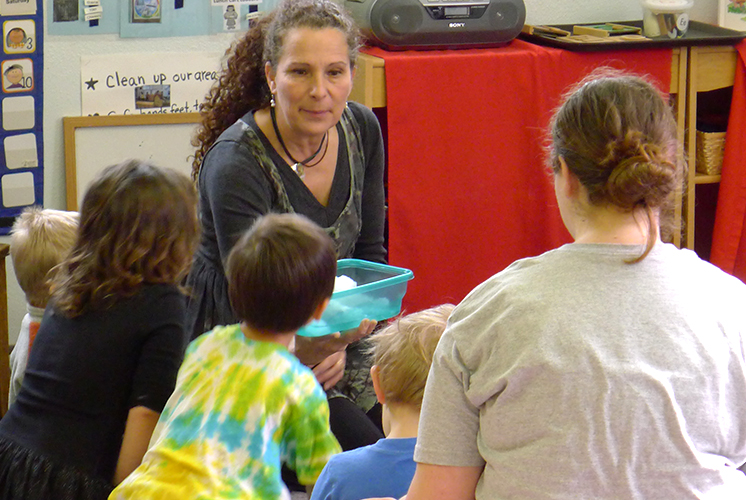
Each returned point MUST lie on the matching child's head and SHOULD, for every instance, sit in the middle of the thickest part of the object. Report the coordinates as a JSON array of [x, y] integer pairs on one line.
[[138, 225], [39, 240], [281, 272], [403, 352]]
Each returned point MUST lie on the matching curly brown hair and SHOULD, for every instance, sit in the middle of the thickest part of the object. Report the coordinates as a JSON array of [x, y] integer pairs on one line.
[[138, 225], [242, 85]]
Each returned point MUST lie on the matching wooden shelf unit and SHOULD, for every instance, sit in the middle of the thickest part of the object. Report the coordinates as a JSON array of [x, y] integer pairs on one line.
[[709, 68], [369, 89], [693, 70]]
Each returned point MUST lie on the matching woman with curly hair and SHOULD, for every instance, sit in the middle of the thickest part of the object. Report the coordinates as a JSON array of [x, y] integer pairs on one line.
[[111, 341], [278, 135]]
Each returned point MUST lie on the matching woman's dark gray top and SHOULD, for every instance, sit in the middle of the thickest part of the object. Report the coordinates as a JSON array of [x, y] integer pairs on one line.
[[243, 177]]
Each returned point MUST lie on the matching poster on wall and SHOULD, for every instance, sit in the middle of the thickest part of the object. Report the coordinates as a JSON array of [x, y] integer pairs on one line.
[[65, 11], [151, 18], [21, 101], [230, 17], [732, 14], [146, 11], [147, 83]]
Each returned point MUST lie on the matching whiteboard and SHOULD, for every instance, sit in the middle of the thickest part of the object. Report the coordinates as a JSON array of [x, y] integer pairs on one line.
[[95, 142]]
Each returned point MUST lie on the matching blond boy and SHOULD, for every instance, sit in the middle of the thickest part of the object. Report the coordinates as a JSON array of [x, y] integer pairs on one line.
[[40, 239], [402, 354]]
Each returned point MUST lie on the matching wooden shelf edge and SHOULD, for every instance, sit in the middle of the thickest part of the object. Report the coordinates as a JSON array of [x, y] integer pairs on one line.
[[706, 179]]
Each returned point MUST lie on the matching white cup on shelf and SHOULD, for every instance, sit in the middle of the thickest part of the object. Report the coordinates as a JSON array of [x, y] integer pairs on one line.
[[665, 17]]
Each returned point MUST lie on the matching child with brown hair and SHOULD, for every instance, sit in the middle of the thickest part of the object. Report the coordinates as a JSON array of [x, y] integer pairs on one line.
[[243, 402], [402, 354], [111, 341], [39, 240]]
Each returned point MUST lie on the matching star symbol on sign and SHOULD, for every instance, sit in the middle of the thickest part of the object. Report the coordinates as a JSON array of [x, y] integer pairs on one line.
[[91, 84]]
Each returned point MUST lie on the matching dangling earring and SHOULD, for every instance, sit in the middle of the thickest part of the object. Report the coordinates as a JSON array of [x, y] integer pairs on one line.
[[272, 100]]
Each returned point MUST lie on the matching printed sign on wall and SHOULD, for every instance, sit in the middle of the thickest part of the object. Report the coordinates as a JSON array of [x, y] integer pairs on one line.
[[147, 83], [17, 7]]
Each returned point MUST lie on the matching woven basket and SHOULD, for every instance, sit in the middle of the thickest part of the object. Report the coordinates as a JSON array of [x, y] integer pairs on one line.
[[710, 147]]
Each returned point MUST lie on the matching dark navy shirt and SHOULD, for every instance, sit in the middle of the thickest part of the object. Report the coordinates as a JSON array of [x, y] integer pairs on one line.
[[85, 373]]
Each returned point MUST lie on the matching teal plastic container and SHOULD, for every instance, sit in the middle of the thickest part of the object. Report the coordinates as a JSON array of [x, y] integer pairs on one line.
[[378, 295]]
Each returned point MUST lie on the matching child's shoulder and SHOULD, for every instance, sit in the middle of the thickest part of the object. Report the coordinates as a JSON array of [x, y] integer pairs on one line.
[[350, 458], [301, 388], [347, 471], [221, 338], [273, 360], [231, 340], [304, 381]]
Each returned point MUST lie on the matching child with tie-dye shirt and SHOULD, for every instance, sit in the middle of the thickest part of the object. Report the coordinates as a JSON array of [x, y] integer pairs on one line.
[[243, 403]]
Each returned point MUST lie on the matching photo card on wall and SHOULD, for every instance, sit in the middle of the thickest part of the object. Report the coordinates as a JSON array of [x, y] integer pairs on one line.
[[732, 14]]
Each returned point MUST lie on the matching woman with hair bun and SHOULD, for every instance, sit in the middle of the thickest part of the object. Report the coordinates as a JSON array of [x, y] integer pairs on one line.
[[609, 368]]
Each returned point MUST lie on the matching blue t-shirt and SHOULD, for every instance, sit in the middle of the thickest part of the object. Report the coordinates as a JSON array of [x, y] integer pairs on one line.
[[383, 469]]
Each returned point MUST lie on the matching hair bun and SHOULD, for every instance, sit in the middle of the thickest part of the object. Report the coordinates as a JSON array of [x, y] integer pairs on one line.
[[641, 173]]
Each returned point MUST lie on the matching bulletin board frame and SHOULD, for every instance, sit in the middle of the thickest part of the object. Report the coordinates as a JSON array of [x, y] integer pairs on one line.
[[22, 131], [74, 172]]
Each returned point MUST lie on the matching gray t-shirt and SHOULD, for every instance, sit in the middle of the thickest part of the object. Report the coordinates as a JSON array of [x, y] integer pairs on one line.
[[574, 375]]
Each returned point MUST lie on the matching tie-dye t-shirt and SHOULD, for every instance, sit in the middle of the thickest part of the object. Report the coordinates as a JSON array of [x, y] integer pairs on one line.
[[240, 408]]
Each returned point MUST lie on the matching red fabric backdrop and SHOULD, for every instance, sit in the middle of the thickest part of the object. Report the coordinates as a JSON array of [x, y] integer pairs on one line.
[[468, 190], [729, 237]]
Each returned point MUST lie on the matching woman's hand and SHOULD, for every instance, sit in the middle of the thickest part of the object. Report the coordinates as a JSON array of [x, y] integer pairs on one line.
[[331, 370], [312, 351]]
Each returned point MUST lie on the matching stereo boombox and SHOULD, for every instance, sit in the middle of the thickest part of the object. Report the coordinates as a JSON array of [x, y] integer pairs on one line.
[[438, 24]]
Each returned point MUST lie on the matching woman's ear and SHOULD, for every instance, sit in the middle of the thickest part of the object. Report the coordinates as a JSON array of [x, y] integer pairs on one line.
[[375, 376], [570, 181], [269, 73], [320, 309]]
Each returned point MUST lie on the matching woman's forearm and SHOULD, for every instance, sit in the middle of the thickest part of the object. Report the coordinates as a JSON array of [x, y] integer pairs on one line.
[[444, 482]]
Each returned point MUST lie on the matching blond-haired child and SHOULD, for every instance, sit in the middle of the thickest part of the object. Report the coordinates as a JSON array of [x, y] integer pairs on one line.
[[402, 354], [39, 240]]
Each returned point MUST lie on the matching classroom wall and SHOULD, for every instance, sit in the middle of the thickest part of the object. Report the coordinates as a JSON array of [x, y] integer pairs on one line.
[[62, 97], [582, 11], [62, 84]]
